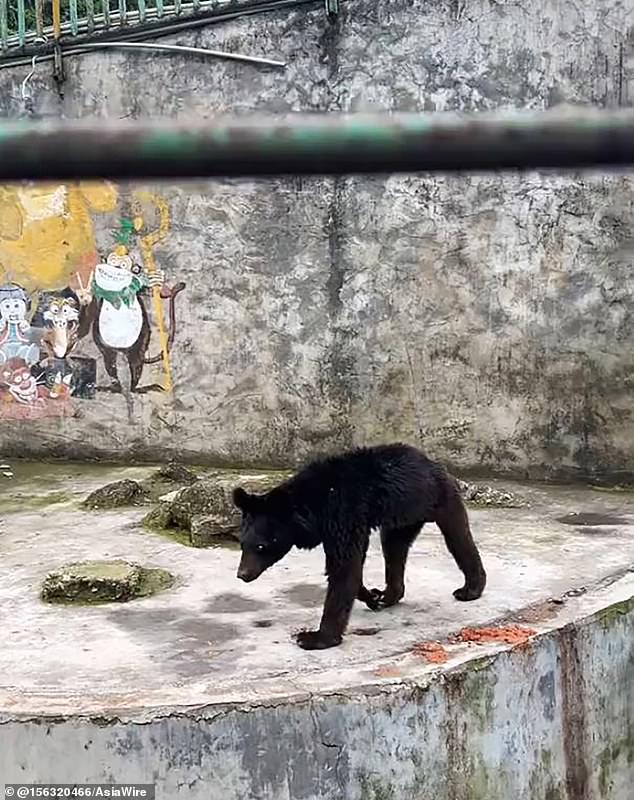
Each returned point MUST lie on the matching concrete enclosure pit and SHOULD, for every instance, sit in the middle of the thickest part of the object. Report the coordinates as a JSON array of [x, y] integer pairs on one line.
[[527, 693]]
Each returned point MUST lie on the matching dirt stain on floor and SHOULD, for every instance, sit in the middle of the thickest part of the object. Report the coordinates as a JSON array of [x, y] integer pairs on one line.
[[232, 603], [590, 518], [305, 594]]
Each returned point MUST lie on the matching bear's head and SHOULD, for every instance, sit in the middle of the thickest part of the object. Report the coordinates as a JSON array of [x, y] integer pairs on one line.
[[266, 532]]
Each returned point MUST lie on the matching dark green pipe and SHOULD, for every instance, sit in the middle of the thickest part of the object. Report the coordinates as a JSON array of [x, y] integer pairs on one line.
[[317, 145]]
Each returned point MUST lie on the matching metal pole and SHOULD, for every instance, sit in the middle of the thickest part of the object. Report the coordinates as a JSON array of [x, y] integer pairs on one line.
[[174, 48], [316, 145]]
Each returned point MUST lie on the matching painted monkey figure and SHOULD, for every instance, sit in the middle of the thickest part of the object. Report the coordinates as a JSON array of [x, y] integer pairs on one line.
[[114, 307], [337, 502]]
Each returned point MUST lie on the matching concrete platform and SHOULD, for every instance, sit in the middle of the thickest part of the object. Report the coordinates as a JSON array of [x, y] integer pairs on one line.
[[202, 689]]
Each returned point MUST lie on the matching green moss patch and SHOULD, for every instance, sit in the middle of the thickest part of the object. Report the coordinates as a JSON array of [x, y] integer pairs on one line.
[[33, 502], [628, 489], [97, 582]]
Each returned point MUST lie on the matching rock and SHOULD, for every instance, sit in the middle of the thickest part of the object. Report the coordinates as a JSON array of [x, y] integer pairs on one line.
[[205, 508], [202, 498], [93, 582], [206, 530], [175, 473], [489, 496], [159, 517], [169, 478], [114, 495]]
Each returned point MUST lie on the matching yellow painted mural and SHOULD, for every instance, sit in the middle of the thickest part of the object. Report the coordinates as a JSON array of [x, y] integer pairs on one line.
[[66, 307], [47, 231]]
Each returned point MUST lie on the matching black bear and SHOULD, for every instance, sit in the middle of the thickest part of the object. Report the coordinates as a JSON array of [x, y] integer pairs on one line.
[[336, 502]]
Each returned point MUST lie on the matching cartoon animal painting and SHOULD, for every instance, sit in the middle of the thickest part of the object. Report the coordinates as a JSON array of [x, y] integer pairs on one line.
[[21, 384], [118, 309], [47, 354], [59, 316], [15, 329], [61, 386]]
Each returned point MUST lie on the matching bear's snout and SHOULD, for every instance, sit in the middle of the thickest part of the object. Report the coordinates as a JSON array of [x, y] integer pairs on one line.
[[251, 566]]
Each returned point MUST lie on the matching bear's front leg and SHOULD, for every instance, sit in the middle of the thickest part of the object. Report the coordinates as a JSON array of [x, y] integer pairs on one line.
[[344, 578]]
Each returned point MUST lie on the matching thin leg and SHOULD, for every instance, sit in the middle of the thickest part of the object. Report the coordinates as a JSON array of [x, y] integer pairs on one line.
[[110, 363], [364, 594], [396, 544], [344, 579], [453, 522]]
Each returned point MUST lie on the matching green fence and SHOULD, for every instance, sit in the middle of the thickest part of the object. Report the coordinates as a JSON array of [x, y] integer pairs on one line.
[[25, 23]]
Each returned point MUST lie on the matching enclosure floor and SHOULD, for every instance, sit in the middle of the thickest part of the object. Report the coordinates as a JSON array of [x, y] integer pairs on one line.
[[214, 639]]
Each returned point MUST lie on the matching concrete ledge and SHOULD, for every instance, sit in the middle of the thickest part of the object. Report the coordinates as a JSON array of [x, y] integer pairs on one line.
[[550, 719]]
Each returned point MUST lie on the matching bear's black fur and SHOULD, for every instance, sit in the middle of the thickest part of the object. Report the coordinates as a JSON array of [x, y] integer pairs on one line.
[[336, 502]]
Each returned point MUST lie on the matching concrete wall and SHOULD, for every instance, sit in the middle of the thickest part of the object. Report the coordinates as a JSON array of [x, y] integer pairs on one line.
[[550, 720], [487, 318]]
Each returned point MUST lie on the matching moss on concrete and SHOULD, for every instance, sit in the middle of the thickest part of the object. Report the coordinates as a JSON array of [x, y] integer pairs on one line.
[[372, 788], [98, 582], [615, 756], [607, 616], [34, 502], [154, 580], [627, 489], [477, 664]]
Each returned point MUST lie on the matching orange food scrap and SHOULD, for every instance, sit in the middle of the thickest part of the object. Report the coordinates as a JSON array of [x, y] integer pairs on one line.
[[432, 652], [511, 634]]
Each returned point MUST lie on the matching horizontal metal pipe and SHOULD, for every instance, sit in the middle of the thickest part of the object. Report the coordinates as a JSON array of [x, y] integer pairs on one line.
[[317, 145], [174, 48]]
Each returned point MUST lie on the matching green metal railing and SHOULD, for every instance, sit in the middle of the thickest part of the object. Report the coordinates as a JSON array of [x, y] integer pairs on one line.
[[27, 23]]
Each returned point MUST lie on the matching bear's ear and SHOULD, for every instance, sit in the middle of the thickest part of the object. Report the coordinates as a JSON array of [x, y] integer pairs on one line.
[[243, 500]]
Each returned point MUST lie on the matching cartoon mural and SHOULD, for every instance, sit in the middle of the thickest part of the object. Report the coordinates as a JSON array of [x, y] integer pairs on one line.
[[52, 339], [118, 314], [47, 231], [15, 330]]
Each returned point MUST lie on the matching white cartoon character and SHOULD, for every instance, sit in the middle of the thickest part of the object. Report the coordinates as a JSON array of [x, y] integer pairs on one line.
[[15, 339]]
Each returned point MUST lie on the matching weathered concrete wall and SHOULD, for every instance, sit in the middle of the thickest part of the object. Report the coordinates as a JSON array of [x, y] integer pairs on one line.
[[488, 318], [550, 720]]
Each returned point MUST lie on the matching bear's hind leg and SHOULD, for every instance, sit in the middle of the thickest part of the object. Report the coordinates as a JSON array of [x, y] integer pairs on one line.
[[453, 522], [396, 544]]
